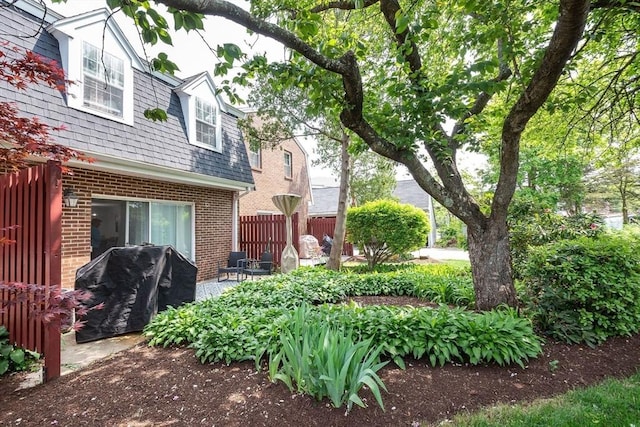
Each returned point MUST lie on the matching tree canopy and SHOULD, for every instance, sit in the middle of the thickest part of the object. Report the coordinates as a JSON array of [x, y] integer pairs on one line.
[[414, 79]]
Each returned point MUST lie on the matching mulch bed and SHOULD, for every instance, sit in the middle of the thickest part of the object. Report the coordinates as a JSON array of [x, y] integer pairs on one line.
[[147, 386]]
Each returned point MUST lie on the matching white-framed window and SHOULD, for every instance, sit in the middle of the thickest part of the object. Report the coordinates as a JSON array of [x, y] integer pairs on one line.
[[98, 58], [203, 112], [288, 165], [255, 158], [206, 123], [103, 81]]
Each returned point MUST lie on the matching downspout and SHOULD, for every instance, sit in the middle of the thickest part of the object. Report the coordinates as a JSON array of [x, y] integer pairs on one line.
[[235, 223]]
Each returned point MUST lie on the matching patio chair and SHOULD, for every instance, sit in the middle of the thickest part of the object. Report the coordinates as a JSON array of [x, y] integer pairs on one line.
[[234, 265], [255, 267]]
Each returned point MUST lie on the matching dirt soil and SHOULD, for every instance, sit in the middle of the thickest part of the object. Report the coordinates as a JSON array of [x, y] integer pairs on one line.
[[146, 386]]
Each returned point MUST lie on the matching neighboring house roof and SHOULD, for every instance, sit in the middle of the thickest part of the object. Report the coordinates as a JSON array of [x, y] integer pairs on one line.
[[325, 201], [407, 191], [158, 150]]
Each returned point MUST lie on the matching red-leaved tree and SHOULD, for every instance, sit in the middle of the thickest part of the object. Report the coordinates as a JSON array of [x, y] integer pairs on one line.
[[20, 139]]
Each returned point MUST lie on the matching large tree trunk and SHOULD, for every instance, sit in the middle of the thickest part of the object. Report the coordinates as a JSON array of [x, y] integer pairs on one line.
[[491, 265], [335, 257]]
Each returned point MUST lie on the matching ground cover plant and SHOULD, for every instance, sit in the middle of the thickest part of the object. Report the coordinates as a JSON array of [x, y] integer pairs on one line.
[[14, 358], [248, 322], [178, 389]]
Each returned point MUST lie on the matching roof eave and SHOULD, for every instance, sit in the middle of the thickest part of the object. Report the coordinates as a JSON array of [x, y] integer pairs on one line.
[[112, 164]]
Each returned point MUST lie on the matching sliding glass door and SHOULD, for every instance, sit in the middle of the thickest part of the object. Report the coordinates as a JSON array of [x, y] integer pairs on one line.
[[171, 224], [151, 222]]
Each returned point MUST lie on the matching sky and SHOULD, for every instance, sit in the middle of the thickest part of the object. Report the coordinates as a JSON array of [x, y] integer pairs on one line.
[[192, 55]]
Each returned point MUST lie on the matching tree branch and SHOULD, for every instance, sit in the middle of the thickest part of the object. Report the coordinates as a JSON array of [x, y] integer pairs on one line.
[[240, 16], [342, 5], [568, 31], [610, 4]]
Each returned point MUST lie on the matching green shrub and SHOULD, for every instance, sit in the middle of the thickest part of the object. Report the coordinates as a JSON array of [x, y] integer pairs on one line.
[[12, 358], [586, 290], [535, 228], [452, 234], [324, 361], [386, 228]]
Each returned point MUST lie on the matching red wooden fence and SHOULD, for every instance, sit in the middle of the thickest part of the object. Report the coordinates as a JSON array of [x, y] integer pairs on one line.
[[318, 226], [256, 231], [32, 200]]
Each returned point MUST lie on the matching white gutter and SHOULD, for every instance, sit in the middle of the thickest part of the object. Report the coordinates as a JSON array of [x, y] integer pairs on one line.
[[235, 227], [106, 163], [235, 223]]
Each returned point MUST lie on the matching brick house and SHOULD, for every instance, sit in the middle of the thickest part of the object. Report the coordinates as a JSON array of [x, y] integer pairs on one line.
[[283, 169], [176, 182]]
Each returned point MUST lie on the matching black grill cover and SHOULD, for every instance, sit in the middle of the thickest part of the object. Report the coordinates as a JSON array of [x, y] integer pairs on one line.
[[134, 283]]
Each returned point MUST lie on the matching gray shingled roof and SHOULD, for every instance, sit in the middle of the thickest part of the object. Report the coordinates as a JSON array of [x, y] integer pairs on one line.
[[162, 144], [325, 200]]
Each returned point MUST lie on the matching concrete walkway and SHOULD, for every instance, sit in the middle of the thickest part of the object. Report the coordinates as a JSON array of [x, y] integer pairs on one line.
[[74, 356], [442, 254]]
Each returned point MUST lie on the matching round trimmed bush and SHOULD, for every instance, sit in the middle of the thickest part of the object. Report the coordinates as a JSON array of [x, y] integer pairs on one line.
[[385, 228]]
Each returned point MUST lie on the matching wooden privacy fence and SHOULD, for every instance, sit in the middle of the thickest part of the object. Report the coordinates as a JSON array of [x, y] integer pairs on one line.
[[31, 217], [318, 226], [256, 231]]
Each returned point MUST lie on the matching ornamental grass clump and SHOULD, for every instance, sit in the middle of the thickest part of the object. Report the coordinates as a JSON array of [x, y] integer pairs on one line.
[[323, 361]]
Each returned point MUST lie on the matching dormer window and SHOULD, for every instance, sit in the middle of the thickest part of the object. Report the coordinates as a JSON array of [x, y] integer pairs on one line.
[[103, 80], [206, 123], [203, 110], [100, 61]]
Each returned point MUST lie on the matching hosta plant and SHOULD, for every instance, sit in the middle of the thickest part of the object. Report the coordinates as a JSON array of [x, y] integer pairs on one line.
[[14, 358]]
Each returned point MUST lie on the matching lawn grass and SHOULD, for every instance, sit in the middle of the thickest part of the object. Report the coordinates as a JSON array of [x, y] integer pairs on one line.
[[457, 262], [611, 403]]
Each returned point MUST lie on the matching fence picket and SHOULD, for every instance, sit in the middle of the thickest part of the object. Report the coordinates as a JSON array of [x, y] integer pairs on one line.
[[258, 231], [32, 200], [318, 226]]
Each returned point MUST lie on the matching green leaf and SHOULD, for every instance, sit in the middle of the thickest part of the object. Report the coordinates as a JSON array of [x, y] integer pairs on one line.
[[17, 356], [149, 36], [178, 21], [402, 22], [156, 114], [164, 36]]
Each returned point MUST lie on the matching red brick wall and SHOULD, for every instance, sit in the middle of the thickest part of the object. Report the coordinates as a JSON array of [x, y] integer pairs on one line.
[[270, 180], [213, 217]]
